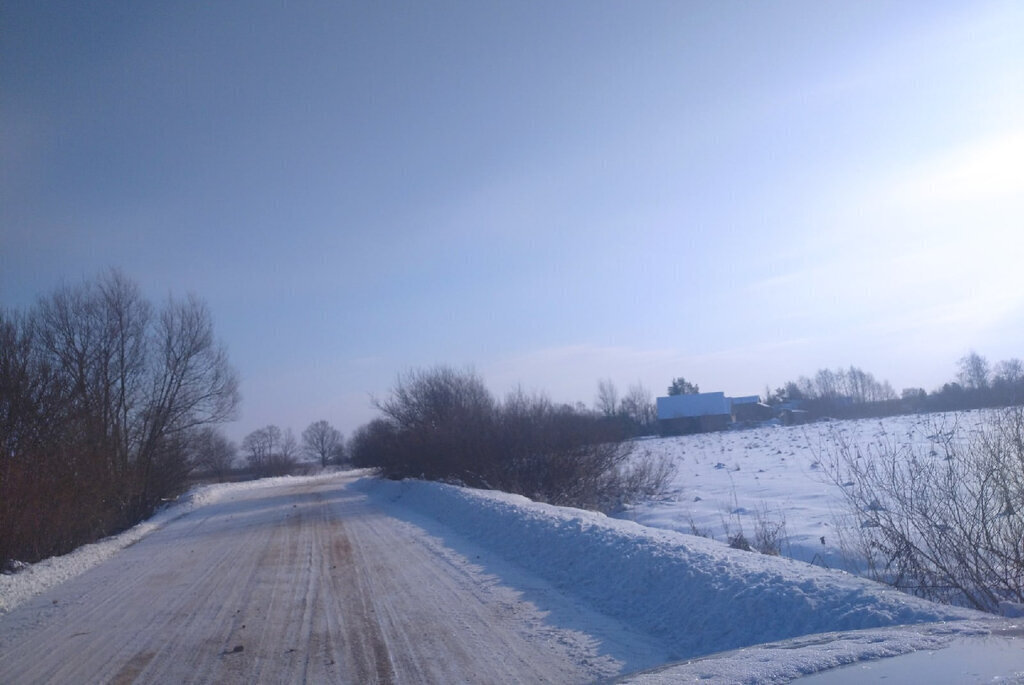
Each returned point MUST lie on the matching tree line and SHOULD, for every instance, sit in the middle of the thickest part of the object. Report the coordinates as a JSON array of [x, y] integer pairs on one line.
[[855, 393], [445, 425], [103, 398], [109, 403], [270, 451]]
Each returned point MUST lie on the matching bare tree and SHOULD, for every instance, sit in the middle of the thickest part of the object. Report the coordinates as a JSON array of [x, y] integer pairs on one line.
[[213, 452], [974, 371], [194, 387], [1008, 380], [117, 393], [33, 394], [1009, 371], [321, 441], [260, 444], [271, 451], [37, 468], [340, 455], [862, 388], [98, 335], [639, 406], [139, 384], [826, 385], [289, 446], [607, 401]]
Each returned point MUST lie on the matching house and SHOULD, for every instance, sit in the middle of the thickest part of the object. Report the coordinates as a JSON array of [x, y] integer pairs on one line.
[[695, 413], [708, 411]]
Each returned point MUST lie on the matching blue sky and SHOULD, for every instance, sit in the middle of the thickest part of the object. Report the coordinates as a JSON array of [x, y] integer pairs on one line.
[[550, 193]]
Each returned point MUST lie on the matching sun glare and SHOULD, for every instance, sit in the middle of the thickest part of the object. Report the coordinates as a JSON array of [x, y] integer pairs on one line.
[[987, 169]]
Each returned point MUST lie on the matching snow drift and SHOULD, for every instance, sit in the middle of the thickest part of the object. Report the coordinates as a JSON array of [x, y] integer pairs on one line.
[[696, 595]]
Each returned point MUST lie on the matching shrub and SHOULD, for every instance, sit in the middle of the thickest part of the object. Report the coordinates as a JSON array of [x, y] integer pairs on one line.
[[947, 523], [739, 541], [561, 455], [443, 420], [442, 424], [769, 533], [375, 445]]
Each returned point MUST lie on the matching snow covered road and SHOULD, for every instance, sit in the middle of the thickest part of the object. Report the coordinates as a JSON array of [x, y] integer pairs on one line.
[[348, 579], [294, 582]]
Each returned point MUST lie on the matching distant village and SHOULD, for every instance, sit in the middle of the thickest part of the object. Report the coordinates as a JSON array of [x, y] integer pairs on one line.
[[849, 393]]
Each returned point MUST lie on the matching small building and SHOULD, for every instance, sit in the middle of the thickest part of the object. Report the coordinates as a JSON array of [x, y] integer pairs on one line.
[[750, 409], [695, 413]]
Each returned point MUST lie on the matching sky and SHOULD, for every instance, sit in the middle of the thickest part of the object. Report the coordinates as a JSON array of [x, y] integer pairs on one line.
[[547, 193]]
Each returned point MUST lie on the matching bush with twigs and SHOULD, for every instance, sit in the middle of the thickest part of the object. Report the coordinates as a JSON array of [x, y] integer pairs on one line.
[[944, 522], [443, 424]]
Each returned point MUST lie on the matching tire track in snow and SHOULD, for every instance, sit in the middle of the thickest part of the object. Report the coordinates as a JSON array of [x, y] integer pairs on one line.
[[290, 583]]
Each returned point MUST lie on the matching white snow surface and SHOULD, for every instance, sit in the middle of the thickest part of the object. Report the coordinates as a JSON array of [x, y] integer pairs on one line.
[[937, 654], [726, 481], [694, 596]]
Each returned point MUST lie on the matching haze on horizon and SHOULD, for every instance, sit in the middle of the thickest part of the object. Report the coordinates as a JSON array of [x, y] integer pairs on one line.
[[551, 194]]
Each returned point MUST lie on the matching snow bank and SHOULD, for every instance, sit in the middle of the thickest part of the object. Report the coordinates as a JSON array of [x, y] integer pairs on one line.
[[36, 578], [965, 652], [696, 595]]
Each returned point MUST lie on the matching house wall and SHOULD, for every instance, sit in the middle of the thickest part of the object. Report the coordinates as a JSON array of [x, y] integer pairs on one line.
[[715, 422], [701, 404], [707, 411], [752, 412]]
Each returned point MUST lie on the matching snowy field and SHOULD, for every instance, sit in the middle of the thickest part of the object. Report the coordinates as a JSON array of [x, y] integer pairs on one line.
[[728, 482]]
